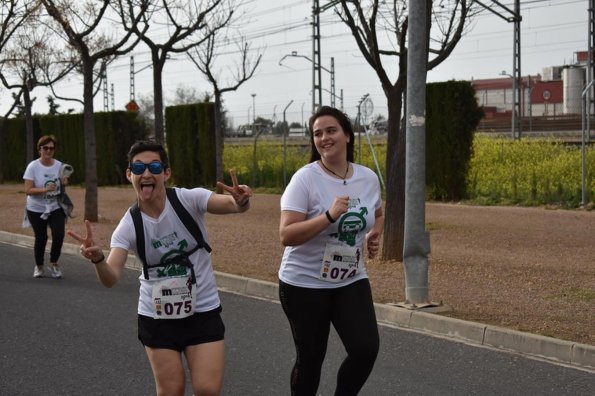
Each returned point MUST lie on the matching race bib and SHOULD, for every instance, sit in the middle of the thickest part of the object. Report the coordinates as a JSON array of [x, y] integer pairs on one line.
[[340, 262], [173, 298]]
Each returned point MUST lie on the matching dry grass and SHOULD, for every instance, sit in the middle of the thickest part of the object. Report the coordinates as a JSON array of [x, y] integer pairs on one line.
[[529, 269]]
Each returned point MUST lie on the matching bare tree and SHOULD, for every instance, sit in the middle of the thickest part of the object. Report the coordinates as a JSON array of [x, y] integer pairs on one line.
[[189, 24], [30, 60], [86, 28], [204, 58], [380, 31], [13, 14], [188, 95]]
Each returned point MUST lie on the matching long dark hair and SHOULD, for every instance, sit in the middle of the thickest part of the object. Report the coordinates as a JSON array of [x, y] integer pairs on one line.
[[345, 125], [148, 145]]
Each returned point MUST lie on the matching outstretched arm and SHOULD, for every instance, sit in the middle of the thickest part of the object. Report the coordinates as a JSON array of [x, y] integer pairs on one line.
[[109, 271]]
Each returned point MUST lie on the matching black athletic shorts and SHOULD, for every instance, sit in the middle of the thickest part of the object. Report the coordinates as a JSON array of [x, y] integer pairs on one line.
[[177, 334]]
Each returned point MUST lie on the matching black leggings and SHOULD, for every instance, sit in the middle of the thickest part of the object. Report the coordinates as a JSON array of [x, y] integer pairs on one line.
[[57, 223], [310, 312]]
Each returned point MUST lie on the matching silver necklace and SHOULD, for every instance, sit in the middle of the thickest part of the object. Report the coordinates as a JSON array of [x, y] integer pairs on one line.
[[344, 177]]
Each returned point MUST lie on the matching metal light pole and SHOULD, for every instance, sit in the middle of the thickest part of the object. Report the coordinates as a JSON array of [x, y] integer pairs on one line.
[[253, 112], [303, 113], [513, 126], [285, 131], [359, 123], [585, 132]]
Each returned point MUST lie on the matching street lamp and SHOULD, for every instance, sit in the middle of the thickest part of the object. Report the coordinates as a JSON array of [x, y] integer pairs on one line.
[[253, 111], [359, 133]]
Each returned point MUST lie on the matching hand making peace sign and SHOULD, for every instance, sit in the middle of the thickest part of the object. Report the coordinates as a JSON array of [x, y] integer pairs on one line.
[[88, 248], [240, 193]]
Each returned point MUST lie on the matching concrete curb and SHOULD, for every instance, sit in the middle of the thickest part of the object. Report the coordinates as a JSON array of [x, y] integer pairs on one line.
[[568, 352]]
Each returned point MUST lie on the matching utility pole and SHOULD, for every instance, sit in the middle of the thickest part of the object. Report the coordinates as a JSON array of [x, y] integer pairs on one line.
[[516, 18], [112, 96], [590, 65], [331, 71], [132, 93], [333, 82], [132, 74], [516, 69], [105, 91], [316, 74], [416, 241], [316, 64]]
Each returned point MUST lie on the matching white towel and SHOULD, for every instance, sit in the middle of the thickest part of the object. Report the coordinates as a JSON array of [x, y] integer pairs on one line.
[[46, 212]]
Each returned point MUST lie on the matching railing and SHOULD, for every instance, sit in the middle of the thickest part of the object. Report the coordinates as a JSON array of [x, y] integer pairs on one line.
[[562, 123]]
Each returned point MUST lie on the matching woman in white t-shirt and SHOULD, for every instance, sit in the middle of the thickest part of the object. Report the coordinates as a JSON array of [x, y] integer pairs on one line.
[[179, 307], [331, 212], [42, 186]]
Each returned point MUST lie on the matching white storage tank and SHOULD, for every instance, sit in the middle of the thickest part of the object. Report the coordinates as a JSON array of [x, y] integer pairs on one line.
[[573, 81]]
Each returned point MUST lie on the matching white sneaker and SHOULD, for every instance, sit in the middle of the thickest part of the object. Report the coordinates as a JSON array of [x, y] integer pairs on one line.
[[55, 271], [38, 271]]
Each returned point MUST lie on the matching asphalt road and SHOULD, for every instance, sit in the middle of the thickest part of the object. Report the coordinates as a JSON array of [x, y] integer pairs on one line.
[[74, 337]]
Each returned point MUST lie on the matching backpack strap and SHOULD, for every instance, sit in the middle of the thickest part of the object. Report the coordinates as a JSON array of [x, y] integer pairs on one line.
[[187, 219], [140, 237]]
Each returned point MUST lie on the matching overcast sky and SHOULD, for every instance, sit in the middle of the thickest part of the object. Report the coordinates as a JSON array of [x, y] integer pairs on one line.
[[551, 32]]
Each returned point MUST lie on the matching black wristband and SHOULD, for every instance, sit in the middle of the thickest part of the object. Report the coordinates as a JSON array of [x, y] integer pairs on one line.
[[100, 260], [328, 216]]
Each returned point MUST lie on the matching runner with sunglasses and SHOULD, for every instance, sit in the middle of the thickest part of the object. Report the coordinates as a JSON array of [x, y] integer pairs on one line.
[[42, 186], [171, 323]]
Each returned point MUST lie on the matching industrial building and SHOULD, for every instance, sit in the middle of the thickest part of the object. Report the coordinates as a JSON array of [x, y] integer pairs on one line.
[[556, 94]]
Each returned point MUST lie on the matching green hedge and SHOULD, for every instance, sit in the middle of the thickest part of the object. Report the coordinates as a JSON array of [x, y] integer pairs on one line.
[[452, 116], [190, 141], [115, 133]]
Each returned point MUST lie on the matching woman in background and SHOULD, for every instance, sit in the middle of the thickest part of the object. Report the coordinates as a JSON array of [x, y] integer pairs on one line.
[[42, 186]]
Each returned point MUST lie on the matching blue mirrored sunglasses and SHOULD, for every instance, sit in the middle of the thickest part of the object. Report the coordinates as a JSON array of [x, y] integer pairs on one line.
[[138, 168]]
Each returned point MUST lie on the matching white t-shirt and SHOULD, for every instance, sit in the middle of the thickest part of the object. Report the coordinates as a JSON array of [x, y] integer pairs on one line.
[[42, 176], [164, 237], [312, 191]]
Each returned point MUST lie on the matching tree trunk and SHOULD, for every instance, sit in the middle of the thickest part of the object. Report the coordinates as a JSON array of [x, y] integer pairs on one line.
[[394, 219], [2, 151], [219, 137], [90, 144], [158, 97], [29, 141]]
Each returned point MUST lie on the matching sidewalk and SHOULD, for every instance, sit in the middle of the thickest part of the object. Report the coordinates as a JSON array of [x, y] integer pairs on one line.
[[571, 353]]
